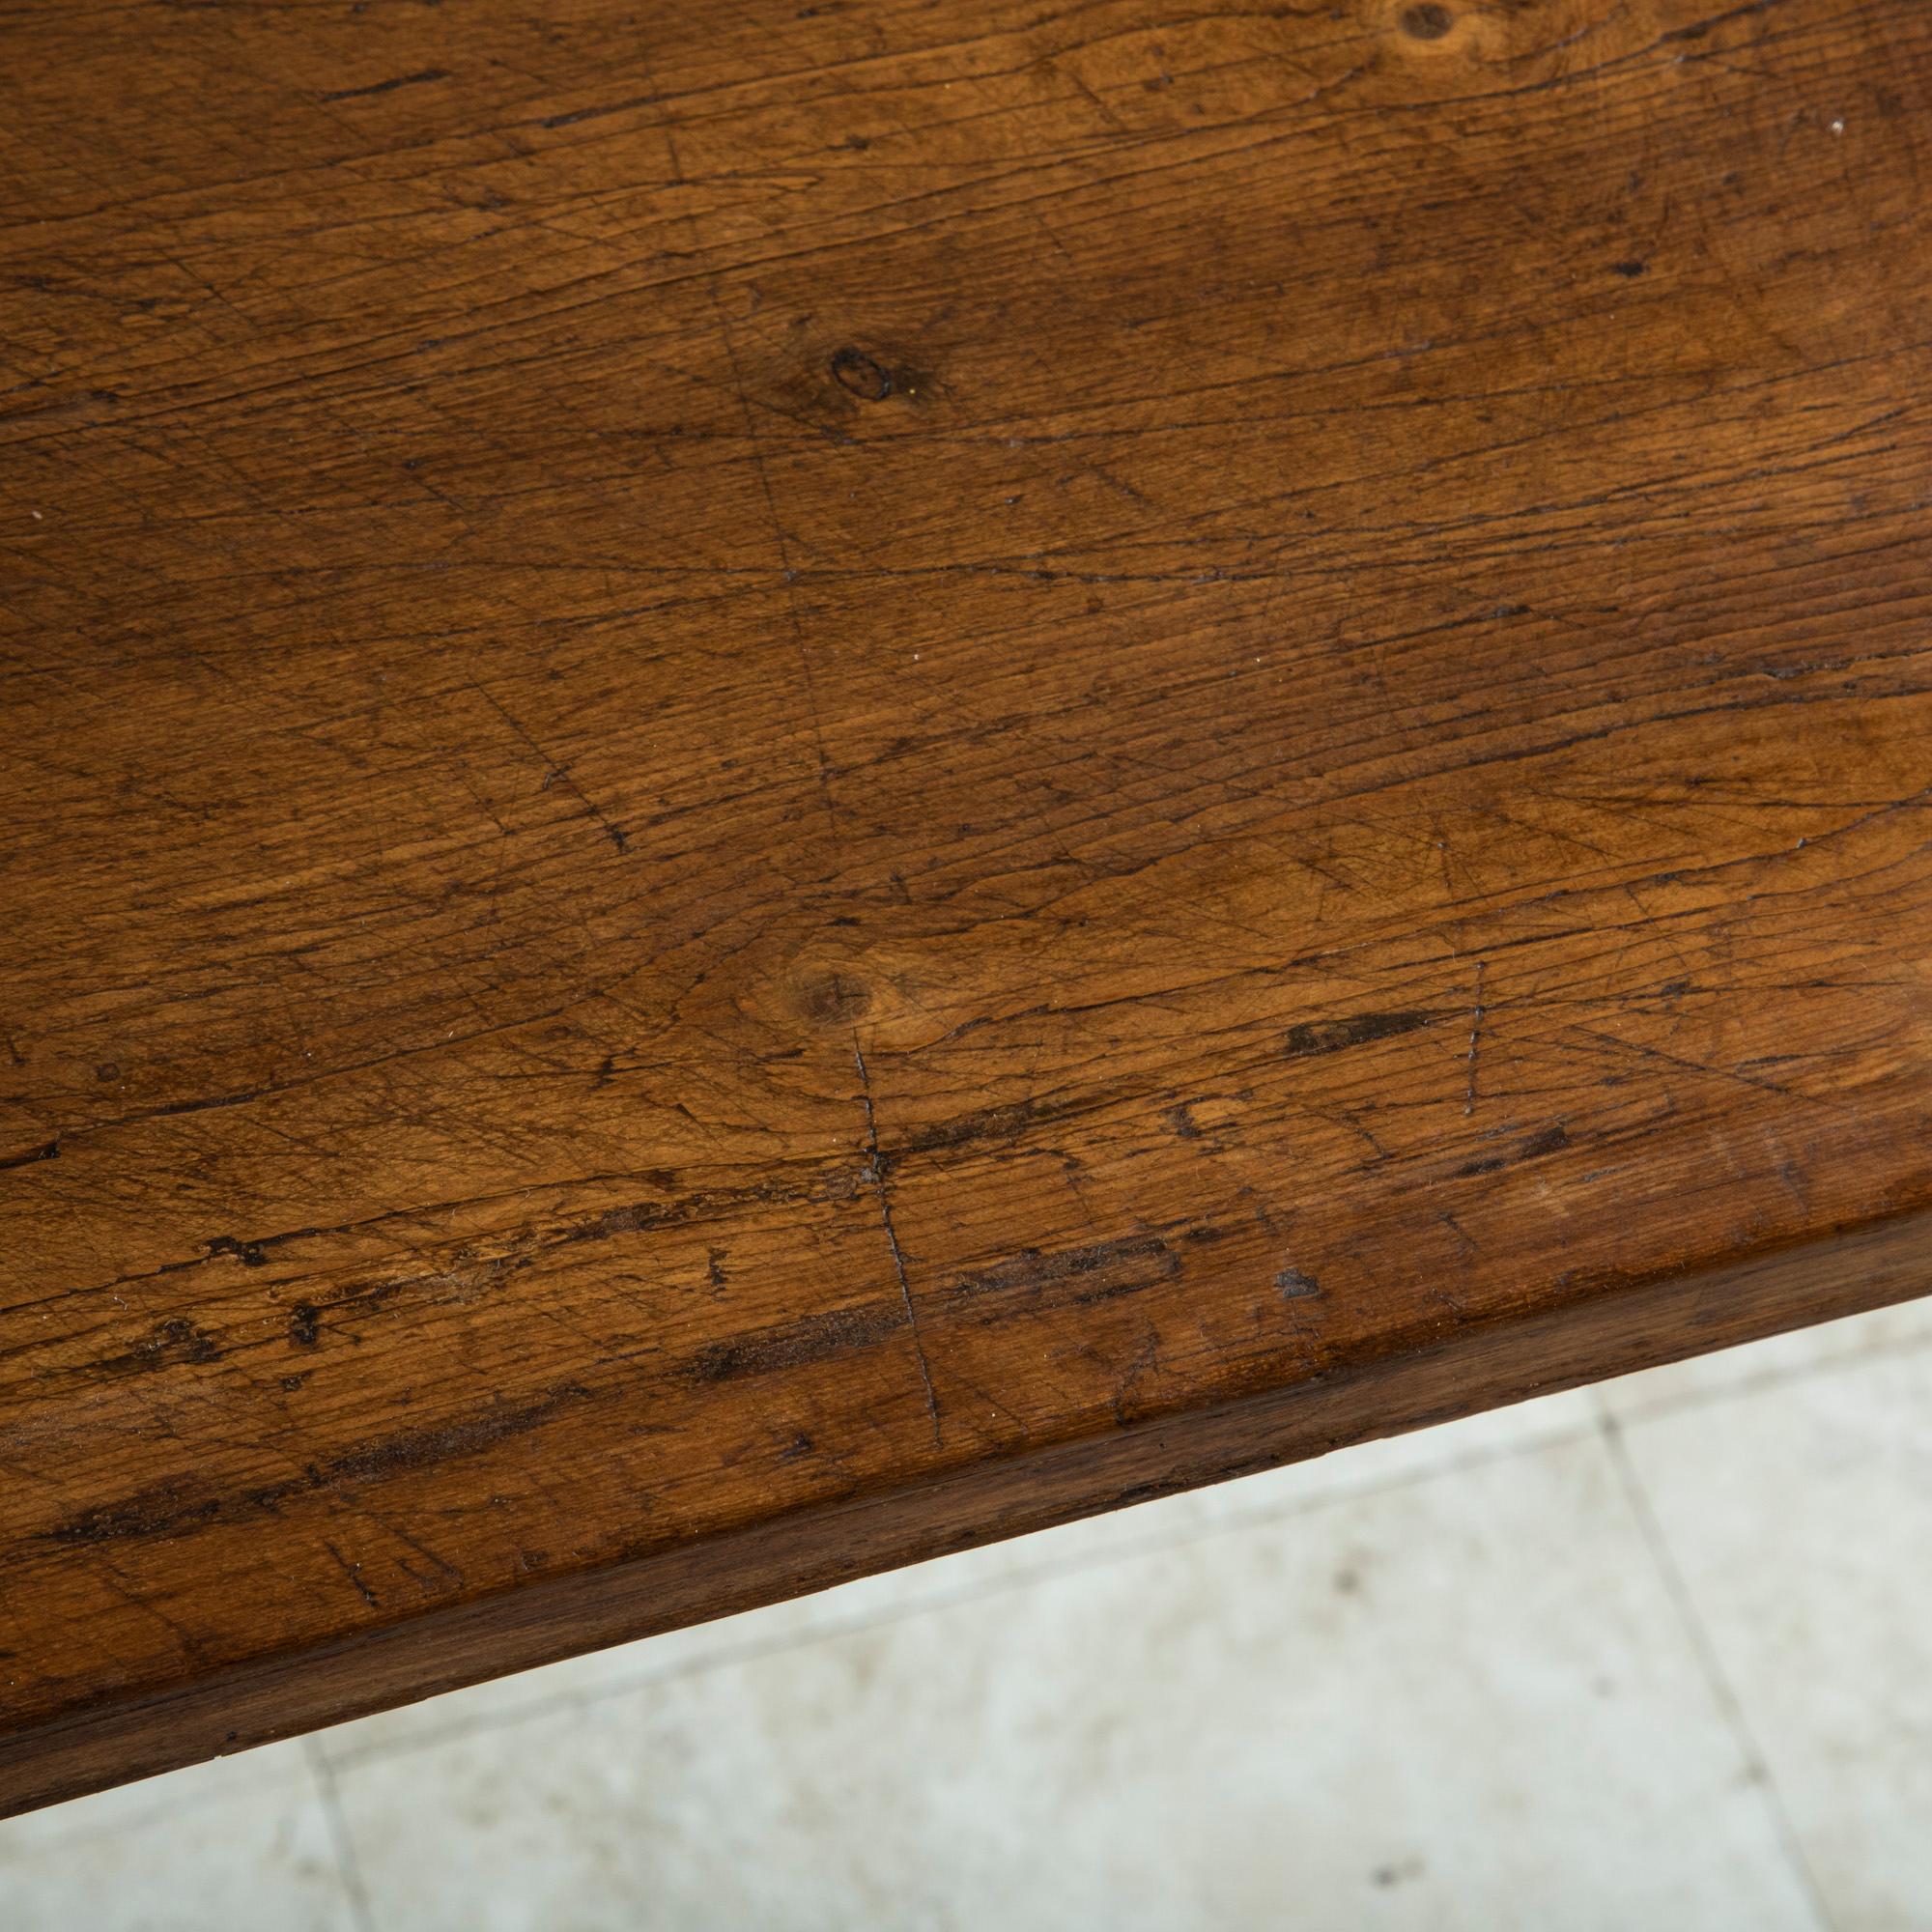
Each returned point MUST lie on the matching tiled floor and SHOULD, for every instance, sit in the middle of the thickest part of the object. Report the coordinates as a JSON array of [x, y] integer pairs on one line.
[[1652, 1655]]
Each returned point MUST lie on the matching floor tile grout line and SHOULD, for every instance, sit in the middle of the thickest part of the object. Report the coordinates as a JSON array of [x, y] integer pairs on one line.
[[349, 1868], [1765, 1379], [1730, 1705]]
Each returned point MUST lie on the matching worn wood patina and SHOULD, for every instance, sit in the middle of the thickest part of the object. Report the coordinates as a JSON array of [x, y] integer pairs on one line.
[[786, 786]]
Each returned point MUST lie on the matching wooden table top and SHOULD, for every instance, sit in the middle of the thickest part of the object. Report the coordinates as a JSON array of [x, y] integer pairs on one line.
[[785, 786]]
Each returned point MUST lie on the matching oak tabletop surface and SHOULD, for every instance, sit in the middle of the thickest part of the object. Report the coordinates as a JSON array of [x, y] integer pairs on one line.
[[785, 785]]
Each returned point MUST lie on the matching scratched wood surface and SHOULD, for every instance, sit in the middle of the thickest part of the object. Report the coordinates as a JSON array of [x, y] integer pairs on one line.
[[785, 785]]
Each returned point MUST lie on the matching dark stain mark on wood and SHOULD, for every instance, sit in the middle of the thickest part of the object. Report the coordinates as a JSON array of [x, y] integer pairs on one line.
[[1547, 1140], [1427, 20], [170, 1508], [990, 1124], [173, 1341], [305, 1325], [1291, 1285], [635, 1217], [1204, 1234], [792, 1345], [1317, 1036], [249, 1254], [1070, 1277]]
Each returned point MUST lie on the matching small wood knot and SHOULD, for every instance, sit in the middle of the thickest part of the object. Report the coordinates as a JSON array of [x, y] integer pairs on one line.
[[832, 998], [1425, 21], [864, 378]]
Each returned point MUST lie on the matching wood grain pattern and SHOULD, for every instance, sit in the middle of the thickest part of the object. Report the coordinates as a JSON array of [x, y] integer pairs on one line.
[[783, 785]]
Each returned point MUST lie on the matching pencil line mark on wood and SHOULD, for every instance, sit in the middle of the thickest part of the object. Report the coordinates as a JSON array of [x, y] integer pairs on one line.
[[875, 1176], [789, 576], [354, 1571], [1475, 1045], [556, 772], [420, 79]]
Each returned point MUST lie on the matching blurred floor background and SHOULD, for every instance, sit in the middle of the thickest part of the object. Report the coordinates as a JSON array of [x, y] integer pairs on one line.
[[1656, 1655]]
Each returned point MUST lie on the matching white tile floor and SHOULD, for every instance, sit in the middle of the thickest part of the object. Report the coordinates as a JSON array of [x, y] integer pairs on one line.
[[1652, 1655]]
